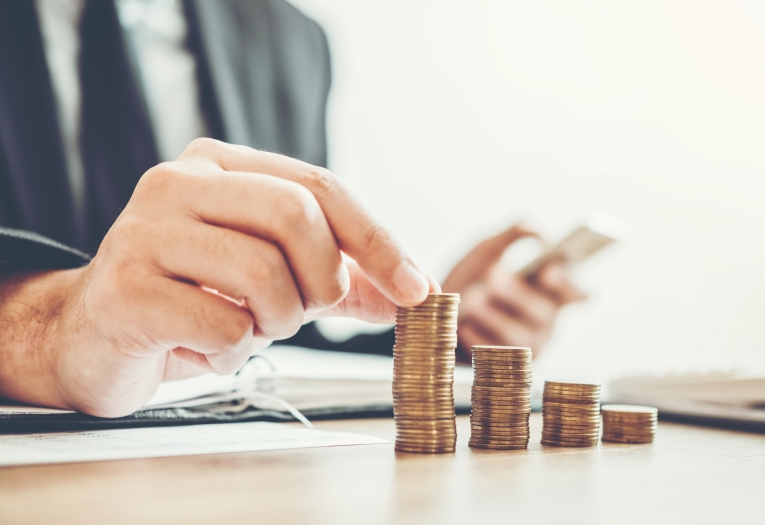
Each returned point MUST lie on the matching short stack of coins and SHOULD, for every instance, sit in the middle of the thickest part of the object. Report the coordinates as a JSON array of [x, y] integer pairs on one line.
[[629, 423], [423, 375], [570, 414], [500, 398]]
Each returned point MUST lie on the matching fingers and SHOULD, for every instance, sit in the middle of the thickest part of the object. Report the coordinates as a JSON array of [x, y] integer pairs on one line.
[[483, 256], [554, 280], [172, 314], [358, 233], [517, 298], [238, 266], [483, 322], [364, 301], [497, 325], [281, 212]]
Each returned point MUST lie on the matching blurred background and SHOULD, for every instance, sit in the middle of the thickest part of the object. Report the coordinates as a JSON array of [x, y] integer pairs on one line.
[[453, 119]]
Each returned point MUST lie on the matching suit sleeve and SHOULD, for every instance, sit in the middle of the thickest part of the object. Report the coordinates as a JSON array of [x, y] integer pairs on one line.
[[24, 250]]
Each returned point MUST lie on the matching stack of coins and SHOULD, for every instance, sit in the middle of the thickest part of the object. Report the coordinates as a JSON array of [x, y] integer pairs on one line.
[[629, 423], [570, 414], [423, 375], [501, 397]]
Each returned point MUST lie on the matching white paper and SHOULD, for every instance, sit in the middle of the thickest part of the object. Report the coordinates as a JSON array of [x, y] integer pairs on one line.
[[131, 443]]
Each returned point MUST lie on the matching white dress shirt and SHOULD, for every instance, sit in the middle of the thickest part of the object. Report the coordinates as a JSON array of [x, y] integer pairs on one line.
[[156, 34]]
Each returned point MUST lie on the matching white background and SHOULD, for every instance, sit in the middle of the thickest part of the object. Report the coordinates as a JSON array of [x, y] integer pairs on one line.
[[454, 118]]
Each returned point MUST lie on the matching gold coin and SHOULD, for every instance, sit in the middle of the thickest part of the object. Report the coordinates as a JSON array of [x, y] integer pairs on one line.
[[569, 434], [483, 430], [630, 409], [634, 441], [567, 444], [571, 410], [500, 402], [568, 385], [503, 374], [499, 440], [493, 390], [498, 447]]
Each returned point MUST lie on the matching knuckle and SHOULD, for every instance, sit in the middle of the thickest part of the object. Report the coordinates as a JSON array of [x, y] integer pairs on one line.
[[201, 146], [237, 328], [269, 267], [158, 178], [321, 181], [374, 237], [300, 210]]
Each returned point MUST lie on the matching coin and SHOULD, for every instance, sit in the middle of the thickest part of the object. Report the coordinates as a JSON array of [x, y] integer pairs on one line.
[[553, 443]]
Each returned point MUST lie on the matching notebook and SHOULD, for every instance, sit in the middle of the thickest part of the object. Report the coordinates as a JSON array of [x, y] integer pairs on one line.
[[272, 386], [731, 400]]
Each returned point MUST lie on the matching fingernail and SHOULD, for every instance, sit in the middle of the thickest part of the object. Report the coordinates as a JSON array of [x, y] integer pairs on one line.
[[411, 284]]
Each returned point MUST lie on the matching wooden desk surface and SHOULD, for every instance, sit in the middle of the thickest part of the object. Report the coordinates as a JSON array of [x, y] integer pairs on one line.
[[689, 475]]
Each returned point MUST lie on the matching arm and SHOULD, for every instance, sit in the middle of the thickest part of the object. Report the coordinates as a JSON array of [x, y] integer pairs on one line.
[[265, 231]]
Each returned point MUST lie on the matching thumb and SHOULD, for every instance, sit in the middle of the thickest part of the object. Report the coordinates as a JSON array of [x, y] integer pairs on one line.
[[475, 264], [364, 301]]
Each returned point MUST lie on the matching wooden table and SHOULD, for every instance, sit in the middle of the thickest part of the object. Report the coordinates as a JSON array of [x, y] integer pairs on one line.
[[689, 475]]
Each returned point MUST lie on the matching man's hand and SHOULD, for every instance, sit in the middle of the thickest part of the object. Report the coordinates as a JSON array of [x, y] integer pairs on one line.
[[501, 308], [262, 230]]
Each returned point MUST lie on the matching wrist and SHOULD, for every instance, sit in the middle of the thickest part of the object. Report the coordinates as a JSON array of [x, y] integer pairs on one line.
[[31, 308]]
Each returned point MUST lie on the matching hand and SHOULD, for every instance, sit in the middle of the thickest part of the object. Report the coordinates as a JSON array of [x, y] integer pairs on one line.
[[498, 307], [263, 230]]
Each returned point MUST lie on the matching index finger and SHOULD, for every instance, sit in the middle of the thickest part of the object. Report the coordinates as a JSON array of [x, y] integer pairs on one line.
[[362, 236]]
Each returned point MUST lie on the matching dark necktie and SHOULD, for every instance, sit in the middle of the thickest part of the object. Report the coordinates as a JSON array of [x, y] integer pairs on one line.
[[117, 140]]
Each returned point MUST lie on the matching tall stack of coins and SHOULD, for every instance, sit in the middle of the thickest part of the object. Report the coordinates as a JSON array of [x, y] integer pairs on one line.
[[629, 423], [423, 375], [501, 397], [570, 414]]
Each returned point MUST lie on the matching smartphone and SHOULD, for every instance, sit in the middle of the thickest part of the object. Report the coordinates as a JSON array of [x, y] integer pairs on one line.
[[598, 232]]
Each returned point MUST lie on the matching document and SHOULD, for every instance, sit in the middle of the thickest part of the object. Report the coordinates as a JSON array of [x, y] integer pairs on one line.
[[132, 443]]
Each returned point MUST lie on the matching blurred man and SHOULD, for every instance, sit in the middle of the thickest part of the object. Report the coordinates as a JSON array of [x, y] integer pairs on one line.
[[201, 260]]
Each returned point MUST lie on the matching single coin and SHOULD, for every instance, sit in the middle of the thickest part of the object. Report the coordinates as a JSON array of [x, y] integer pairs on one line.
[[571, 425], [501, 368], [548, 434], [568, 438], [499, 412], [565, 384], [558, 416], [498, 447], [493, 390], [636, 435], [569, 412], [630, 420], [500, 402], [482, 423], [571, 406], [445, 439], [493, 431], [416, 450], [485, 407], [496, 372], [501, 384], [447, 422], [415, 411], [630, 409], [591, 400], [502, 377], [570, 421], [633, 441], [561, 444], [497, 442]]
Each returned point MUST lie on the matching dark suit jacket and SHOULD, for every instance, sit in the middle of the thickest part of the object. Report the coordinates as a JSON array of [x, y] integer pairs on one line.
[[264, 73]]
